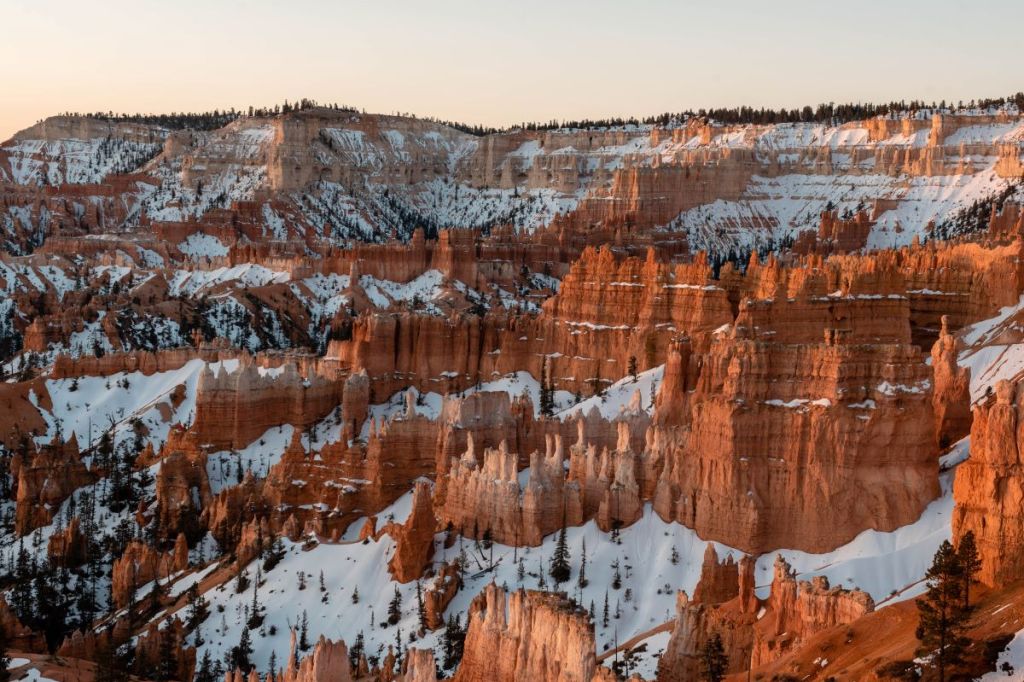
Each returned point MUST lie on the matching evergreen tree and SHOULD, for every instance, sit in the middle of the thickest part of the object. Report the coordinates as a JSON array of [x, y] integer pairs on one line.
[[420, 610], [559, 568], [943, 616], [581, 579], [272, 556], [604, 615], [272, 665], [240, 654], [395, 608], [452, 641], [256, 610], [355, 595], [304, 632], [357, 650], [167, 660], [241, 581], [198, 607], [713, 661], [631, 368], [970, 563], [204, 672], [5, 659]]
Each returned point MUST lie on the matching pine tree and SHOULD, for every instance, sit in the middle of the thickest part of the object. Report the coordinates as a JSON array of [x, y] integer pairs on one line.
[[604, 615], [240, 655], [304, 632], [631, 368], [521, 570], [713, 661], [420, 611], [204, 673], [256, 610], [5, 659], [357, 650], [198, 607], [453, 639], [272, 556], [395, 608], [970, 563], [559, 569], [355, 595], [272, 665], [943, 616], [241, 581], [581, 579], [167, 663], [616, 575]]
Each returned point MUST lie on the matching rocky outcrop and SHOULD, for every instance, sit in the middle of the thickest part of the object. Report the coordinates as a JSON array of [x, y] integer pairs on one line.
[[719, 582], [140, 564], [414, 539], [233, 409], [182, 486], [488, 498], [45, 480], [67, 547], [696, 622], [439, 593], [419, 666], [951, 400], [989, 486], [759, 421], [327, 662], [535, 636], [754, 632], [797, 610]]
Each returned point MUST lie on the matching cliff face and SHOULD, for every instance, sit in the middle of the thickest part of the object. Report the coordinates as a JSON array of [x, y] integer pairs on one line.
[[989, 486], [233, 409], [44, 481], [756, 421], [535, 636]]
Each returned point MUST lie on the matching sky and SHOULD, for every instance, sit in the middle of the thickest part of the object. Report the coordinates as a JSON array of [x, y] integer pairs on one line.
[[498, 63]]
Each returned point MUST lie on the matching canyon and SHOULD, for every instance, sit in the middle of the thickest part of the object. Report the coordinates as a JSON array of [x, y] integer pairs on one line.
[[328, 395]]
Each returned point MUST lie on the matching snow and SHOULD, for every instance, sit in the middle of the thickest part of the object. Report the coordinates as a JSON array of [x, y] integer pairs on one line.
[[100, 403], [619, 395], [33, 675], [991, 352], [201, 245], [1012, 655], [225, 467]]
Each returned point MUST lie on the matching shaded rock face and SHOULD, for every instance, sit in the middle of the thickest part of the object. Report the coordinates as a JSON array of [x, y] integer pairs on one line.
[[493, 497], [233, 409], [536, 636], [414, 539], [989, 486], [67, 548], [140, 564], [49, 476], [419, 666], [754, 632], [182, 487]]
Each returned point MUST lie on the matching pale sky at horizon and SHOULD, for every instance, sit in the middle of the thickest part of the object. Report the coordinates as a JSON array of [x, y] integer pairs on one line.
[[498, 63]]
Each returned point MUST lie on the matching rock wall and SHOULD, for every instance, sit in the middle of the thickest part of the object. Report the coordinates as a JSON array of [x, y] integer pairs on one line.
[[989, 486], [535, 637]]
